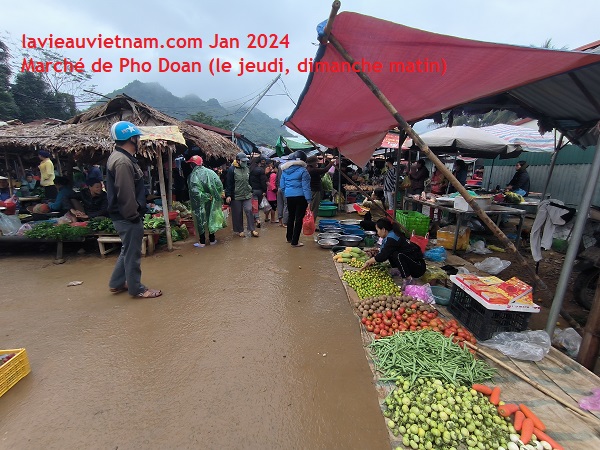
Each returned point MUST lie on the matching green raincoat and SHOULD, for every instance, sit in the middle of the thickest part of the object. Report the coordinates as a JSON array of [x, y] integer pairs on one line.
[[205, 196]]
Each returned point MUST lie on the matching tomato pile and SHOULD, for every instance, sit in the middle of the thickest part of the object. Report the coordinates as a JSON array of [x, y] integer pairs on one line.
[[413, 317]]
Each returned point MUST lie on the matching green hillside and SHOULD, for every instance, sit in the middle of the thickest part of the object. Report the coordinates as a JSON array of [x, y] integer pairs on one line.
[[258, 127]]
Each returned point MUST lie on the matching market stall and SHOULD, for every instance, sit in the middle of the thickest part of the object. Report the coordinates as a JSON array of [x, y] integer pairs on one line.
[[85, 138], [462, 214], [408, 363]]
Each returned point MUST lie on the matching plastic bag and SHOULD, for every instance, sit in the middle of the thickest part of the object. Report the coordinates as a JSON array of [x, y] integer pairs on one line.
[[216, 219], [421, 241], [478, 248], [265, 205], [25, 227], [568, 339], [436, 254], [423, 293], [591, 403], [434, 273], [526, 345], [492, 265], [308, 223], [9, 225]]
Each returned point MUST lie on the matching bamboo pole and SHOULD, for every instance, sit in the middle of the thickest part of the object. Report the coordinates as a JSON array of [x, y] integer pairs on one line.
[[401, 139], [21, 165], [163, 196], [592, 420], [10, 184], [440, 166], [335, 7], [170, 178]]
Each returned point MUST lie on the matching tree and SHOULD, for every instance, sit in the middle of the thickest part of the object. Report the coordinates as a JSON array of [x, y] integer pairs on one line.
[[8, 107], [31, 95], [73, 83], [210, 120]]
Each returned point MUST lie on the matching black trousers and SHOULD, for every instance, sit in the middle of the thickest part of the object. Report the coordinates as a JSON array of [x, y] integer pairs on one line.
[[296, 209], [408, 264]]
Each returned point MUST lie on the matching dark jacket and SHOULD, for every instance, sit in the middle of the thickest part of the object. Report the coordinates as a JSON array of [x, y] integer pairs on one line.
[[93, 206], [125, 187], [230, 182], [520, 180], [393, 245], [316, 174], [258, 179], [418, 177]]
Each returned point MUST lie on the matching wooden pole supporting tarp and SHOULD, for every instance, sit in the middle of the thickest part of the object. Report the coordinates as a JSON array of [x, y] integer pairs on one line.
[[10, 181], [170, 179], [163, 197], [436, 161], [401, 139]]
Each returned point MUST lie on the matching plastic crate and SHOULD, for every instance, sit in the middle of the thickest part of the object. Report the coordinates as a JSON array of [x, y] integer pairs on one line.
[[483, 322], [14, 369], [327, 211], [413, 221]]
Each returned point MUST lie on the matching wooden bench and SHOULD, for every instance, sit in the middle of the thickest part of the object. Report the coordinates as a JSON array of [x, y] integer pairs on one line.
[[116, 240]]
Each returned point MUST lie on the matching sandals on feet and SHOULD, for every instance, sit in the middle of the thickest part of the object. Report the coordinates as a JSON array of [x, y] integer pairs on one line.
[[150, 293], [255, 233], [242, 234], [118, 290]]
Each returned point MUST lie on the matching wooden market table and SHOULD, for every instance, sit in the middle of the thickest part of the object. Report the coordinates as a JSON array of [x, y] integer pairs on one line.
[[148, 243], [496, 211], [26, 240]]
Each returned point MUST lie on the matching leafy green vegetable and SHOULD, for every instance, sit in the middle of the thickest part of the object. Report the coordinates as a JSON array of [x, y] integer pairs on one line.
[[64, 232], [151, 223], [102, 224]]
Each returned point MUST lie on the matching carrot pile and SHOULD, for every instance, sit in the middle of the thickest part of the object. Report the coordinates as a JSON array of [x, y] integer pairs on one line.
[[524, 420]]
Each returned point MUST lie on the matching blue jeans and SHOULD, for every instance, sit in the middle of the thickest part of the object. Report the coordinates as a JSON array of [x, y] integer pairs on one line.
[[127, 269]]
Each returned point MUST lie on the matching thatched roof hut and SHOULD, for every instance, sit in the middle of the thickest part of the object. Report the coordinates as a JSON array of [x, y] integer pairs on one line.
[[86, 136]]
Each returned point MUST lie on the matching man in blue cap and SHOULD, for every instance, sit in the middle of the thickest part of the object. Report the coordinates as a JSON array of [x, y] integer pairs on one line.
[[126, 207]]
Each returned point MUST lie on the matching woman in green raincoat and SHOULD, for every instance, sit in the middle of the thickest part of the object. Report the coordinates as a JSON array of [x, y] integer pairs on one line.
[[205, 196]]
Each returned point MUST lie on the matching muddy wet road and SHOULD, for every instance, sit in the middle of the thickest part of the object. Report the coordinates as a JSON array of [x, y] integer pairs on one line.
[[231, 356]]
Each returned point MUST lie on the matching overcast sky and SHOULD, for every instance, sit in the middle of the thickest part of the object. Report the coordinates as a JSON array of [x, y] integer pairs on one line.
[[513, 22]]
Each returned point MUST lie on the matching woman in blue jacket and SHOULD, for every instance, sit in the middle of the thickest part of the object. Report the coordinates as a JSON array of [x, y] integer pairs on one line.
[[295, 185]]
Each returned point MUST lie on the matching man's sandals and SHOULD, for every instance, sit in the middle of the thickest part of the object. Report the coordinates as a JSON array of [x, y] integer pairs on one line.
[[148, 293]]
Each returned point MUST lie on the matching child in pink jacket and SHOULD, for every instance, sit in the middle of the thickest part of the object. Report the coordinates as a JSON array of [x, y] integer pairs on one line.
[[272, 190]]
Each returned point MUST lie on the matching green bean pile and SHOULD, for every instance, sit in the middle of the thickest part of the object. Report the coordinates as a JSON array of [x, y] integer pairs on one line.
[[428, 354]]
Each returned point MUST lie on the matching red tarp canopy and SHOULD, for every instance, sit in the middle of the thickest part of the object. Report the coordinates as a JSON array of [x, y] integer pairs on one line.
[[424, 73]]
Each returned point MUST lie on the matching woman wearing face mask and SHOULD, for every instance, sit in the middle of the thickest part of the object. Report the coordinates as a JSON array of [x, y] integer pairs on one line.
[[239, 195]]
